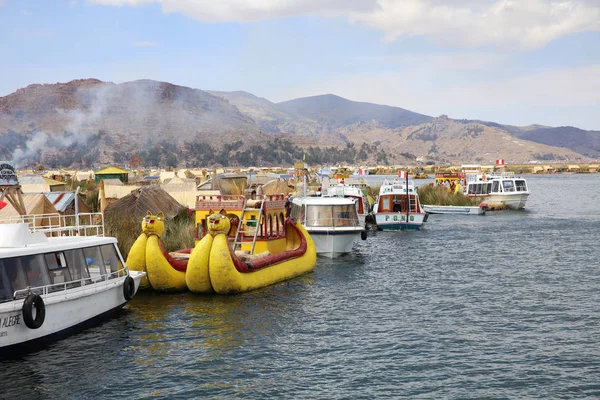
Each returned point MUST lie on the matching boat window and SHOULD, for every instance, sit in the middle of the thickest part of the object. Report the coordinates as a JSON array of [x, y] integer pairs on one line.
[[509, 186], [36, 271], [496, 186], [521, 185], [318, 216], [479, 188], [6, 291], [76, 264], [488, 188], [471, 188], [345, 215], [385, 204], [281, 224], [360, 206], [15, 274], [94, 262], [57, 267], [112, 263]]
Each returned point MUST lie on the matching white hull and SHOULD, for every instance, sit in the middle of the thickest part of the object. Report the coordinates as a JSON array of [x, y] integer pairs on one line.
[[398, 221], [334, 243], [468, 210], [514, 201], [64, 309]]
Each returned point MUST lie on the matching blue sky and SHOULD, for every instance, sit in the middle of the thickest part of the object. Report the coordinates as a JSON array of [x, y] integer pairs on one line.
[[517, 62]]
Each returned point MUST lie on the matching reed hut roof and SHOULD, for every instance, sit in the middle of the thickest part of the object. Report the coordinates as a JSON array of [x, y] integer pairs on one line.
[[35, 204], [147, 198]]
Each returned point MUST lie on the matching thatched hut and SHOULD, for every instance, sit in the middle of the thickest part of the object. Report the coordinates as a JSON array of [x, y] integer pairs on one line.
[[36, 204], [137, 203]]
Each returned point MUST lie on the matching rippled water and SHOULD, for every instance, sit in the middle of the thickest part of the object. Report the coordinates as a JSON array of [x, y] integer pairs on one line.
[[504, 305]]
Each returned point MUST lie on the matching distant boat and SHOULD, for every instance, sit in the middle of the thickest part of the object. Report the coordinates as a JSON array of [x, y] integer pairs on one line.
[[504, 188]]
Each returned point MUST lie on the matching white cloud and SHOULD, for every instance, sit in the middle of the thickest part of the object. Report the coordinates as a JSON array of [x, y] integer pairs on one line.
[[26, 13], [145, 44], [256, 10], [520, 24]]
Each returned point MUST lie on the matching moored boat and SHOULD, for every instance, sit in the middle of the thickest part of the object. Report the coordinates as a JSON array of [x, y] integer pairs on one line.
[[460, 210], [398, 206], [498, 187], [332, 222], [164, 273], [248, 246], [54, 280]]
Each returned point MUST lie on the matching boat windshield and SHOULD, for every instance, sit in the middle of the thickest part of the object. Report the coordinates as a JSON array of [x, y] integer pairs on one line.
[[520, 185], [508, 186], [59, 270], [332, 215]]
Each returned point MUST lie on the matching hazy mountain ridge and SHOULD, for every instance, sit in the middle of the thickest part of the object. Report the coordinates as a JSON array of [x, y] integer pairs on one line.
[[115, 120]]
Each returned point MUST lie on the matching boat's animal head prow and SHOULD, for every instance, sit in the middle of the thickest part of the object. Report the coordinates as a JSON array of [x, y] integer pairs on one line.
[[153, 224], [218, 222]]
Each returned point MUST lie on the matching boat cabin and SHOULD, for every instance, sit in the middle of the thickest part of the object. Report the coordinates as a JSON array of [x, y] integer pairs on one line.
[[46, 271], [398, 197], [506, 182], [334, 212]]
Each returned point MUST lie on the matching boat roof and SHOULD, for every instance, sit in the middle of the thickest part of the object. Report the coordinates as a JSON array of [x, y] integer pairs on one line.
[[323, 201], [17, 240], [397, 186]]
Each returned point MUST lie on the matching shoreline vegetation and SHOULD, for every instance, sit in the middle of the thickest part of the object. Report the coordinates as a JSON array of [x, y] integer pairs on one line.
[[442, 196]]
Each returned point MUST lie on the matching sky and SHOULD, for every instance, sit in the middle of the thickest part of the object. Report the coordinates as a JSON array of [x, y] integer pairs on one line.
[[516, 62]]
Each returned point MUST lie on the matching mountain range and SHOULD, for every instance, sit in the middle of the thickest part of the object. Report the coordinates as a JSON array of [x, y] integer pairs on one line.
[[90, 122]]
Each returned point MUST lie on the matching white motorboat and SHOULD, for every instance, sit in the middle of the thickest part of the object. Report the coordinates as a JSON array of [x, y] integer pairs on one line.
[[398, 207], [497, 187], [55, 279], [332, 223], [461, 210]]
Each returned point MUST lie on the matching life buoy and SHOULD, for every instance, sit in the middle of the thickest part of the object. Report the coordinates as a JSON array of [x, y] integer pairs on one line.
[[128, 288], [34, 301], [483, 177]]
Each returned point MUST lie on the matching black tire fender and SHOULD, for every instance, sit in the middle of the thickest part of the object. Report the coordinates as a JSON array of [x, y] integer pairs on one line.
[[128, 288], [363, 234], [34, 302]]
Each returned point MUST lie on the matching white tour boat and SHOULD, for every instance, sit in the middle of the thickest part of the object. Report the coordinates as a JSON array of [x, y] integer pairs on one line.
[[332, 223], [55, 279], [398, 207], [497, 187]]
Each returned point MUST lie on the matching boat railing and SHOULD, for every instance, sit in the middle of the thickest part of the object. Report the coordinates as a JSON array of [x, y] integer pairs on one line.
[[236, 202], [62, 286], [482, 177], [55, 224]]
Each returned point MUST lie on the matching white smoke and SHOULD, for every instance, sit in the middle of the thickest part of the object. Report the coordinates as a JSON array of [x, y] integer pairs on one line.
[[78, 128], [39, 142]]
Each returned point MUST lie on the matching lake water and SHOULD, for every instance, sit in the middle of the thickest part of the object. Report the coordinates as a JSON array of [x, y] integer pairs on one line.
[[505, 305]]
